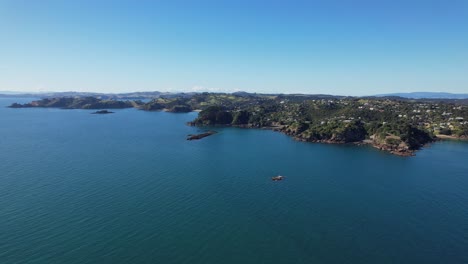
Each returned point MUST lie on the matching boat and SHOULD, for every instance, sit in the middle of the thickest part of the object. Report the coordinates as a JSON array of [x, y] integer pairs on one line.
[[277, 178]]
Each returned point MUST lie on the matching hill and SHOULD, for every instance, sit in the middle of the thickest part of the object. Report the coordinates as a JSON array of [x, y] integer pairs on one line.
[[427, 95]]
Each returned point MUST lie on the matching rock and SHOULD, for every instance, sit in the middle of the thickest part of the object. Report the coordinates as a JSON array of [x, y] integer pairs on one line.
[[202, 135]]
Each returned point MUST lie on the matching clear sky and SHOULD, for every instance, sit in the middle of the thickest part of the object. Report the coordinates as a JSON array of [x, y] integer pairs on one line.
[[349, 47]]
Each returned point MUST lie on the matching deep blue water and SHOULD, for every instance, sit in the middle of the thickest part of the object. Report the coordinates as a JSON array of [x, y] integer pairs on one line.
[[128, 188]]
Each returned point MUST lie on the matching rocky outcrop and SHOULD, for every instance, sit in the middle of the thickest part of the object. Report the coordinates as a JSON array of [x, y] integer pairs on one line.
[[202, 135], [392, 144], [404, 145]]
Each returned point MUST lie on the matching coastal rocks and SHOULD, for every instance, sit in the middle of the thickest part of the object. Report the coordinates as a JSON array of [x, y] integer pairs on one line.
[[356, 134], [202, 135], [452, 137], [399, 151]]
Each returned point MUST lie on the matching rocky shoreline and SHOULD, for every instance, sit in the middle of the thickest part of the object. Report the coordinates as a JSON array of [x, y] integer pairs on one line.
[[399, 150], [452, 137]]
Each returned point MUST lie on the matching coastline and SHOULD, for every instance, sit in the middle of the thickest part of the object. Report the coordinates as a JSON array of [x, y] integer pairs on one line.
[[396, 139], [398, 151], [447, 137]]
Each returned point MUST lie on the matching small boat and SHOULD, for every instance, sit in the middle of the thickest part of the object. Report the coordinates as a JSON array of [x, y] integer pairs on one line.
[[277, 178]]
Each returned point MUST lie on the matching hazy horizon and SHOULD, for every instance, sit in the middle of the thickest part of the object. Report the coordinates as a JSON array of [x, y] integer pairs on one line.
[[325, 47], [175, 92]]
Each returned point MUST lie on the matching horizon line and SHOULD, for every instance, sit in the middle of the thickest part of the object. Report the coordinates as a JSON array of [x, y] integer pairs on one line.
[[219, 92]]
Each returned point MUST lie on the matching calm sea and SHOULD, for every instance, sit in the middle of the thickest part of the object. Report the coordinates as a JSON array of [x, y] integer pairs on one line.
[[128, 188]]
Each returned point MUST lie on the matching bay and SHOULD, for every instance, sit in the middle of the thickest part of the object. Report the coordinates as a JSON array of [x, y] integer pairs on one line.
[[129, 188]]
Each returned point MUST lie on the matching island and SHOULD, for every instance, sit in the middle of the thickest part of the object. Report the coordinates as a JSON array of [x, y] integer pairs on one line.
[[102, 112], [397, 125]]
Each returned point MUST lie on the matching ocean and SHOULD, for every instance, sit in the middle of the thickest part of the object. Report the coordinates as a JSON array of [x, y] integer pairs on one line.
[[129, 188]]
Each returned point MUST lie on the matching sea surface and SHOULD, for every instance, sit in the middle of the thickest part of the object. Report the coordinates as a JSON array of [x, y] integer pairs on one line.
[[129, 188]]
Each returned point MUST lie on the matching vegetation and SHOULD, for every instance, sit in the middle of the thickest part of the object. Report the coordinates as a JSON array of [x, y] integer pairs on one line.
[[214, 115]]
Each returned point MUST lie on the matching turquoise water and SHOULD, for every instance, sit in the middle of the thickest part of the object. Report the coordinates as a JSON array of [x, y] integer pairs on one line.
[[128, 188]]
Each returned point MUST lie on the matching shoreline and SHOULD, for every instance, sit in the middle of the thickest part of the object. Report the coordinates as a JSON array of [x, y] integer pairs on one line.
[[447, 137], [366, 142], [356, 135]]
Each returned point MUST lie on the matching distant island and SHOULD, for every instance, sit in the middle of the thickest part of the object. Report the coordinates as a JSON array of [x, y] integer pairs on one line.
[[87, 102], [428, 95], [393, 124], [102, 112]]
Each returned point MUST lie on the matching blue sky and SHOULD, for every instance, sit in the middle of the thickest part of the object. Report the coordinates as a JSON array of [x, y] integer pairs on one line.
[[348, 47]]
